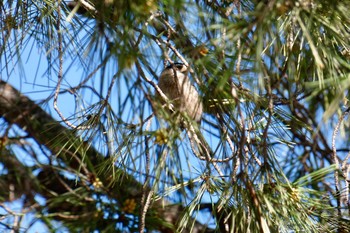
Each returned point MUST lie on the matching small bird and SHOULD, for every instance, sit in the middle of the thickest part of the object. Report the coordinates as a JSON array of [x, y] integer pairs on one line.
[[176, 85]]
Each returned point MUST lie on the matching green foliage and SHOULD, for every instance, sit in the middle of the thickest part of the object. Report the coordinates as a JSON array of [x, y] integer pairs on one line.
[[273, 78]]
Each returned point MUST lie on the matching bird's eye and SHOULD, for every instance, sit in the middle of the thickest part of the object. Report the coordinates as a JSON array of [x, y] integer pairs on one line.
[[179, 66]]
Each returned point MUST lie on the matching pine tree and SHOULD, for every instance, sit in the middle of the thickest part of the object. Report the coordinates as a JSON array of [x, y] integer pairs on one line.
[[104, 149]]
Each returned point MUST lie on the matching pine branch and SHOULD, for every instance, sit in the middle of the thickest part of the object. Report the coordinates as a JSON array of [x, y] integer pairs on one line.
[[18, 109]]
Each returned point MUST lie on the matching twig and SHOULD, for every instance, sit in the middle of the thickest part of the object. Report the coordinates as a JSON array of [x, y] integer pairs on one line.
[[145, 201], [229, 141], [153, 15], [177, 53], [336, 160], [239, 57], [344, 163], [60, 68], [18, 216], [145, 208], [201, 143], [205, 148], [345, 172], [155, 86], [73, 89]]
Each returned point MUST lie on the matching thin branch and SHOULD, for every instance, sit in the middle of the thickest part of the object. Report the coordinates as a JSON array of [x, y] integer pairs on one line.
[[345, 168], [81, 84], [145, 201], [204, 149], [336, 160], [155, 86], [60, 68], [239, 57]]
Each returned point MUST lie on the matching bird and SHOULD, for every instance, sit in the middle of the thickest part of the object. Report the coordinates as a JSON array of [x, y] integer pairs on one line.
[[177, 87]]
